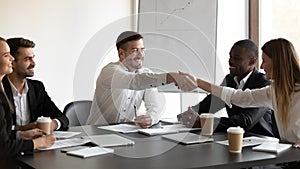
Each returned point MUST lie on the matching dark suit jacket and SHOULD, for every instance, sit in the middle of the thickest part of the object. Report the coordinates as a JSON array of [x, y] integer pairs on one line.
[[9, 147], [255, 120], [40, 104]]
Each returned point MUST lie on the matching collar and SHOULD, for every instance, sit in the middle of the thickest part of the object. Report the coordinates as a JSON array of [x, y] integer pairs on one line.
[[243, 81], [14, 89]]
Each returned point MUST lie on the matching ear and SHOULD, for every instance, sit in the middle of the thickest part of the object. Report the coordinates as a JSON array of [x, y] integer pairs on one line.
[[121, 53], [252, 61]]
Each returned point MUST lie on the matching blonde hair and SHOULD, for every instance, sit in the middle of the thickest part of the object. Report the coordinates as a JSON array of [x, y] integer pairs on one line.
[[285, 73]]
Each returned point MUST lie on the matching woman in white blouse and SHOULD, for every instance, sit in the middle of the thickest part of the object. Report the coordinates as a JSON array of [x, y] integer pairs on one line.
[[281, 65]]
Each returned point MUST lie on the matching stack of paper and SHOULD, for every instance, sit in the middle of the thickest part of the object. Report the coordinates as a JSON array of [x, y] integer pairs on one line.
[[67, 143], [122, 128], [65, 134], [166, 129], [89, 152], [272, 147], [252, 141]]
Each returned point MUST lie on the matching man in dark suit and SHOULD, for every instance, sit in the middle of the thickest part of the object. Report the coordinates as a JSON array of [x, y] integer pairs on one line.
[[29, 96], [243, 75]]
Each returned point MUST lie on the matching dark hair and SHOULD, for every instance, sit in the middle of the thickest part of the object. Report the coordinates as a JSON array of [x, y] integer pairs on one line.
[[252, 49], [15, 43], [127, 36], [2, 39]]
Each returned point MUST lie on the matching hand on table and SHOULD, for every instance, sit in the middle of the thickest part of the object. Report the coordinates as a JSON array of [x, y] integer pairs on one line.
[[190, 118], [144, 121], [297, 144], [31, 134], [45, 141]]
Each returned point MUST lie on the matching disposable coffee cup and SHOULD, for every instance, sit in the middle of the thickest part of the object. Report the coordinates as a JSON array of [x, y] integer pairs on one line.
[[207, 124], [235, 139], [44, 123]]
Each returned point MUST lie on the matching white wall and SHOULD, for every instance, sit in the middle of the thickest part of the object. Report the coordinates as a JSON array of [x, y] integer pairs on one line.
[[232, 26], [75, 38], [61, 29]]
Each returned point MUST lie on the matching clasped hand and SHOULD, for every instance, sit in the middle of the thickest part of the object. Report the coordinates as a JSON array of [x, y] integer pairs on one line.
[[184, 81]]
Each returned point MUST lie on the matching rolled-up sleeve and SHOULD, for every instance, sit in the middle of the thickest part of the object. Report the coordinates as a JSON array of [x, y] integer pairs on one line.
[[247, 98], [226, 95], [113, 76]]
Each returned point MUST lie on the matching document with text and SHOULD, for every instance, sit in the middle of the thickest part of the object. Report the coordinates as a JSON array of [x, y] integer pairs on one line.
[[67, 143]]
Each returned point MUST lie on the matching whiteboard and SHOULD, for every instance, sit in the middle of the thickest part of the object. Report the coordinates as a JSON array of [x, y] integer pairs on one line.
[[180, 35]]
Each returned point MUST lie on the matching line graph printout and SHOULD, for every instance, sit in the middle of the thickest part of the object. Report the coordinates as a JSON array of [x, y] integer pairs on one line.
[[180, 35]]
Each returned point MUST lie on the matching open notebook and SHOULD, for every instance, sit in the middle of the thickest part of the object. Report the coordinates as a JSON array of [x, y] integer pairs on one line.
[[109, 140], [188, 138]]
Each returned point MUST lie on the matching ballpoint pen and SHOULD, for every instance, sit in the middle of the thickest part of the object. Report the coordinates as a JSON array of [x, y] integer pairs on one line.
[[135, 111]]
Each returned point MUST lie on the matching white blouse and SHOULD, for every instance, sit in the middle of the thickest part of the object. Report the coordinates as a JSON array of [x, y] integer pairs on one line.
[[265, 97]]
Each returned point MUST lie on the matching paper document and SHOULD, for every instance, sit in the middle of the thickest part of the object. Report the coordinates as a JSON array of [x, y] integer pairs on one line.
[[67, 143], [173, 120], [64, 150], [166, 129], [122, 128], [109, 140], [252, 141], [65, 134], [272, 147], [89, 152]]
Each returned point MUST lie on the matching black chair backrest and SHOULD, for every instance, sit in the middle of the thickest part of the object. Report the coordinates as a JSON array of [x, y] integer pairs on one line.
[[78, 112]]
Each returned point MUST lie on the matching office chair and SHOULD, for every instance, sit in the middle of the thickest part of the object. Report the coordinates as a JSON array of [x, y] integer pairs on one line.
[[78, 112]]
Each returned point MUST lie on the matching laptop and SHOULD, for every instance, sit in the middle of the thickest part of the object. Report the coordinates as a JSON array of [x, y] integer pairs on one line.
[[109, 140], [188, 138]]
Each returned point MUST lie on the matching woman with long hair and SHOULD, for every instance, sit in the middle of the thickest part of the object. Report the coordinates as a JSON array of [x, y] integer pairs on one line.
[[28, 141]]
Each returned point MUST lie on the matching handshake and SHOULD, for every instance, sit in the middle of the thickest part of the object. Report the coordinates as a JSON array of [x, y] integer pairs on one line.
[[184, 81]]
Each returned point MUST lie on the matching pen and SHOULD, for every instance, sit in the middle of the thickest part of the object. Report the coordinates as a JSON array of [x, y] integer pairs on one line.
[[135, 111]]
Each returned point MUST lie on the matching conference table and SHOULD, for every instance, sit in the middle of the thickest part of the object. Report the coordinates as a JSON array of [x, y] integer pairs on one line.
[[150, 152]]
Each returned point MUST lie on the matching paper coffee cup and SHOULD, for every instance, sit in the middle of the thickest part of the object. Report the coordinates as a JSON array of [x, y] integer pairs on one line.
[[207, 124], [44, 123], [235, 139]]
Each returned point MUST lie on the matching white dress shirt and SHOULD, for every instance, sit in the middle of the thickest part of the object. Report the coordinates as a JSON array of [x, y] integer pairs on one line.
[[265, 97], [21, 105], [118, 91], [241, 84]]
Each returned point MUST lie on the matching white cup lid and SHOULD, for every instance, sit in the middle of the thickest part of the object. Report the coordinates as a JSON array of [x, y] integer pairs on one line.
[[44, 119], [236, 130], [206, 115]]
